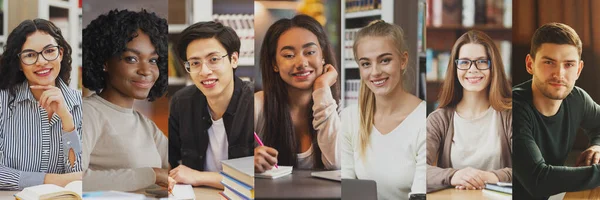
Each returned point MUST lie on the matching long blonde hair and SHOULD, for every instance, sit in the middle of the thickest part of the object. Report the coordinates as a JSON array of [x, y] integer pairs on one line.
[[366, 97]]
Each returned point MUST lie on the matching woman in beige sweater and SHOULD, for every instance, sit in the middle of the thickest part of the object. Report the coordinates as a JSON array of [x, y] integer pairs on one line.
[[127, 60], [469, 136]]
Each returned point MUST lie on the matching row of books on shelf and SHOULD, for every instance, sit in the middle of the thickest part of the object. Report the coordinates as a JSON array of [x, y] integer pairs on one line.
[[243, 24], [362, 5], [438, 61], [469, 13], [352, 87], [349, 36]]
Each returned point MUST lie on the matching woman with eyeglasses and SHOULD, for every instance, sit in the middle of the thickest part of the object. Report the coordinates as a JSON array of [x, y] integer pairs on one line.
[[125, 59], [40, 116], [469, 136]]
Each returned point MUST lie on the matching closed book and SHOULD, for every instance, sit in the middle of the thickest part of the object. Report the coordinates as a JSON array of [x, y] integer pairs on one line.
[[494, 187], [236, 185], [233, 194], [493, 195], [241, 169]]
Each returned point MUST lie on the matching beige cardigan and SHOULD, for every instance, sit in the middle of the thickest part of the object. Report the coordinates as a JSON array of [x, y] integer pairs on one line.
[[440, 131]]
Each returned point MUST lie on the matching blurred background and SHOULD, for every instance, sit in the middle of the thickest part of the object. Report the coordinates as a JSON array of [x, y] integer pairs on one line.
[[582, 16], [65, 14], [158, 110], [410, 15], [447, 20]]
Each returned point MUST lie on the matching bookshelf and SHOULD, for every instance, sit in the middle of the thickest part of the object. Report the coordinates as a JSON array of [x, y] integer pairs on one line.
[[357, 14], [444, 27], [66, 15], [183, 13]]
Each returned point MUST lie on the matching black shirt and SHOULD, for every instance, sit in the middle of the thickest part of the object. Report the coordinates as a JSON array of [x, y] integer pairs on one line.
[[189, 121], [541, 144]]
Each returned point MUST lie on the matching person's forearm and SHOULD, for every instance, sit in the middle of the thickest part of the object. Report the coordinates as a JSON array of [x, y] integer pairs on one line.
[[119, 179], [210, 179], [72, 149], [68, 124], [326, 122], [540, 178], [12, 179]]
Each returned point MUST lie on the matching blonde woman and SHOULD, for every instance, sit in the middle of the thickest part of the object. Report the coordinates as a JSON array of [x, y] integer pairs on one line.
[[384, 136], [469, 136]]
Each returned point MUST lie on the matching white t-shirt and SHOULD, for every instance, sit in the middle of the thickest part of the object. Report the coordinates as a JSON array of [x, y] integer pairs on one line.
[[396, 161], [217, 146], [306, 159], [476, 142]]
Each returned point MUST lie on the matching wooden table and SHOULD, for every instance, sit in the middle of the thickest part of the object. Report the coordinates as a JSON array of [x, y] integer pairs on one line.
[[452, 193], [586, 194], [7, 195], [207, 193], [201, 193]]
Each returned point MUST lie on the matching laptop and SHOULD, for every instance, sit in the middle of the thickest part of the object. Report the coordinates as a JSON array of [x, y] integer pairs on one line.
[[356, 189], [335, 175]]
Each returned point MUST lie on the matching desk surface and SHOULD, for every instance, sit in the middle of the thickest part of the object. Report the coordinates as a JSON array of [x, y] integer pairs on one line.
[[7, 195], [586, 194], [452, 193], [298, 185], [201, 193], [207, 193]]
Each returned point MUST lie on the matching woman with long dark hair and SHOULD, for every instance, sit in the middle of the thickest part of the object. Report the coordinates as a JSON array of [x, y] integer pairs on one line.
[[296, 113], [40, 116]]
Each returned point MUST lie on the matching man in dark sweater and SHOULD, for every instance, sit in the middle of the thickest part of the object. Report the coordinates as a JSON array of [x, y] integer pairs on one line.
[[212, 120], [547, 112]]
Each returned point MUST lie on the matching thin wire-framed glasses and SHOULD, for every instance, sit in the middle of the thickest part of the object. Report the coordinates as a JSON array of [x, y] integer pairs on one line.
[[195, 65]]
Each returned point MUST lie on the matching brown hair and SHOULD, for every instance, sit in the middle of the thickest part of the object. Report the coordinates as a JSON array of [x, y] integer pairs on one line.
[[499, 92], [555, 33], [366, 97]]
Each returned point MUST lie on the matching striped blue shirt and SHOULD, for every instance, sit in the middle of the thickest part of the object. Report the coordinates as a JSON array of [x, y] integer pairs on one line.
[[31, 145]]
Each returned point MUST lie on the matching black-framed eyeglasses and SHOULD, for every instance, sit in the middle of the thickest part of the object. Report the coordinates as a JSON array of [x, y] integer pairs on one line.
[[30, 57], [195, 65], [465, 64]]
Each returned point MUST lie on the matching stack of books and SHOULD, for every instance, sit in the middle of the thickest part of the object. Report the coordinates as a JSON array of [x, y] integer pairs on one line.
[[238, 178], [498, 191]]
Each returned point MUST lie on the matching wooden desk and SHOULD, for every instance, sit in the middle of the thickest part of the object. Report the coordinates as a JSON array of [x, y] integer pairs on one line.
[[586, 194], [298, 185], [7, 195], [451, 193], [207, 193]]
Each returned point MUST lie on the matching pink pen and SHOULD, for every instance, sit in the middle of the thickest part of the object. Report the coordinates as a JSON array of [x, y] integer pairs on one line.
[[261, 144]]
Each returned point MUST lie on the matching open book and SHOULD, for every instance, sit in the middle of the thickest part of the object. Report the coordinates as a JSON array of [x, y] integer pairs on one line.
[[49, 191], [182, 192]]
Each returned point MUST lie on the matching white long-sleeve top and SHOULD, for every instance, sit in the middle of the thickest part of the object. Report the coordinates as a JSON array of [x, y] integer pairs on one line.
[[395, 161]]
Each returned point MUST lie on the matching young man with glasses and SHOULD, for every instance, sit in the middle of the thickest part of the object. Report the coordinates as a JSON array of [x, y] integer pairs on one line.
[[548, 111], [212, 120]]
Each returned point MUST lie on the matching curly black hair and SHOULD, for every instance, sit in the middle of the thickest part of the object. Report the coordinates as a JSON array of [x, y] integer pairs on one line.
[[10, 62], [108, 35]]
